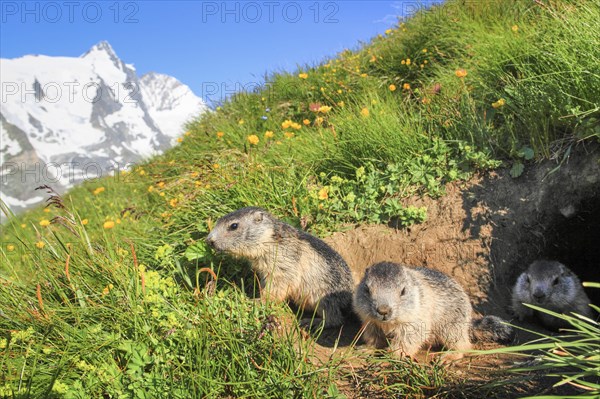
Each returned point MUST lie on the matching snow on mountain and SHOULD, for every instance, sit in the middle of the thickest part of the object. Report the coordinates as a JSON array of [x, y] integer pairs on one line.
[[64, 117], [169, 102]]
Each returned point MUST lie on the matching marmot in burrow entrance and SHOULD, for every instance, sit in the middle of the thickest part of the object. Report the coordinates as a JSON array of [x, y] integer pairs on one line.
[[292, 264], [550, 285], [408, 307]]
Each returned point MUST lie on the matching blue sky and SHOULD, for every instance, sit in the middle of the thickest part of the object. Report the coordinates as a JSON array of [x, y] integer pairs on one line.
[[208, 45]]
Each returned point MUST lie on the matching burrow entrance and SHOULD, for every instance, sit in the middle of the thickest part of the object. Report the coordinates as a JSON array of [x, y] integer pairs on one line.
[[575, 241]]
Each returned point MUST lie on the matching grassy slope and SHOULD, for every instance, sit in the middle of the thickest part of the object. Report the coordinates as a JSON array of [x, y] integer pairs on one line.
[[89, 310]]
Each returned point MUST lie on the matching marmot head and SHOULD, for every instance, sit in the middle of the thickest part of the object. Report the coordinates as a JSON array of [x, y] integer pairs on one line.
[[386, 293], [546, 282], [242, 232]]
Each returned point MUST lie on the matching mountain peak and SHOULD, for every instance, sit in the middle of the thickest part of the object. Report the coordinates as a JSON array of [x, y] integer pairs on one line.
[[102, 47], [110, 125]]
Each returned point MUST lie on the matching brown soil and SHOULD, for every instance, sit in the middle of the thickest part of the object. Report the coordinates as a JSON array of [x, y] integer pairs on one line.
[[484, 233]]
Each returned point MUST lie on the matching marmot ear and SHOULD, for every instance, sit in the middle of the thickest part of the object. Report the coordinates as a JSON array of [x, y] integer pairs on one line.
[[564, 271], [258, 216]]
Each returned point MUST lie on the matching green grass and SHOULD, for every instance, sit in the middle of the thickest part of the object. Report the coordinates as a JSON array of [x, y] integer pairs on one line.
[[571, 358], [363, 151]]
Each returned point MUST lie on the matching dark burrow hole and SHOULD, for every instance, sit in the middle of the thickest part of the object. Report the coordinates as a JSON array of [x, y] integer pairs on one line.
[[575, 242]]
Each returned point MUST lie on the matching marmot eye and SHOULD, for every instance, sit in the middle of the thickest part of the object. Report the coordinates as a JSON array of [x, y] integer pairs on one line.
[[403, 291], [233, 226], [555, 282]]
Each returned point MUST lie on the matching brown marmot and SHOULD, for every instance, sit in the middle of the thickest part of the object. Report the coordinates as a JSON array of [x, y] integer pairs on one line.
[[550, 285], [292, 264], [406, 307]]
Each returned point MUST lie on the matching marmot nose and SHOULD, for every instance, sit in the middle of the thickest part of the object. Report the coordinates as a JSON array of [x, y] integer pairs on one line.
[[384, 310], [210, 240], [539, 296]]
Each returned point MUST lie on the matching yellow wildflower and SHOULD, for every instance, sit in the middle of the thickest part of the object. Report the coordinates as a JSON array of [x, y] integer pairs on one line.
[[515, 28], [373, 59], [44, 223], [107, 289], [364, 112], [118, 221], [142, 172], [173, 202], [303, 75], [161, 184], [253, 139], [403, 62], [341, 104], [10, 247], [424, 50], [306, 122], [288, 135], [296, 126], [499, 103], [363, 75], [179, 139], [241, 122], [392, 87], [388, 31], [23, 225], [46, 210], [287, 123], [220, 134], [461, 73], [150, 189], [324, 193], [84, 222], [426, 100], [269, 134], [101, 189], [216, 166], [324, 109], [406, 86], [161, 194], [40, 244], [109, 224], [408, 61]]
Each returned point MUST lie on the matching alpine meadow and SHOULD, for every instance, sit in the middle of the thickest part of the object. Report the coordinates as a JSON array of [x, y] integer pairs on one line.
[[110, 290]]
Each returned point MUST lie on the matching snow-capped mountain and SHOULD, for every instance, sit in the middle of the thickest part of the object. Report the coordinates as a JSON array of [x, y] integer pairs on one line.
[[65, 119]]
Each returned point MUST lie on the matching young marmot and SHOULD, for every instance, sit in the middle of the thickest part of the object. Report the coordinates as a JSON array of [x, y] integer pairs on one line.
[[408, 307], [550, 285], [292, 264]]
